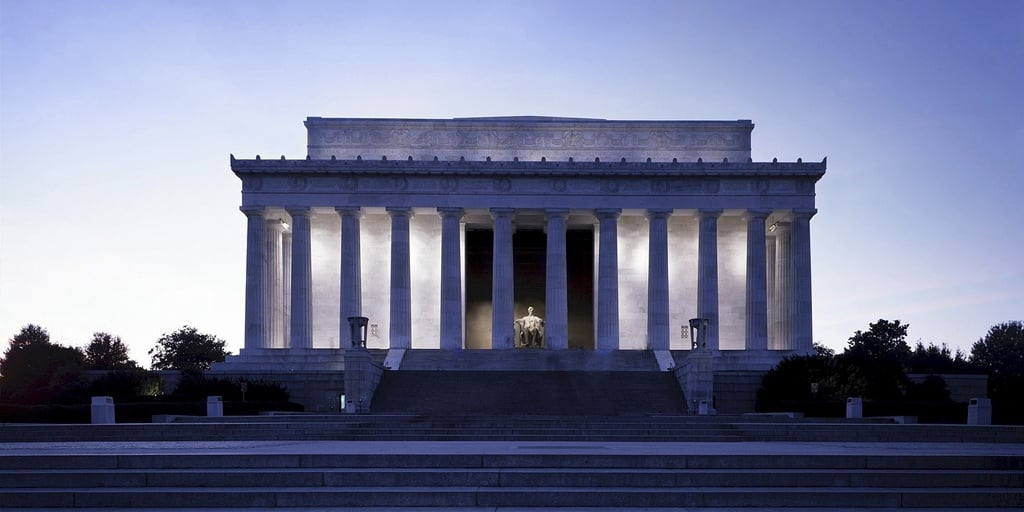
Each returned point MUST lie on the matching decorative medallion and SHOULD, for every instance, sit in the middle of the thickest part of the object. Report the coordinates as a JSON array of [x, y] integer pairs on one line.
[[712, 186], [401, 183], [558, 185], [761, 186], [502, 185], [609, 186], [298, 183], [659, 186], [348, 183]]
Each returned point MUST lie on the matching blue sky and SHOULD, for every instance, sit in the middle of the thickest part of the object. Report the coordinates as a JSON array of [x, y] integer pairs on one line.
[[118, 211]]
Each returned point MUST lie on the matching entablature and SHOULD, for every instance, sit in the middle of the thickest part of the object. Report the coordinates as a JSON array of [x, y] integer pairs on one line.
[[527, 168]]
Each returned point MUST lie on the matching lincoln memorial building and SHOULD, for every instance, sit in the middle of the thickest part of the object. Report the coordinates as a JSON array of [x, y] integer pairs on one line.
[[513, 234]]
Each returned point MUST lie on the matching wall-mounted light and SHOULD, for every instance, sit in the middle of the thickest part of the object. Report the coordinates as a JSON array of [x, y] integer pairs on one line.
[[771, 229], [284, 224]]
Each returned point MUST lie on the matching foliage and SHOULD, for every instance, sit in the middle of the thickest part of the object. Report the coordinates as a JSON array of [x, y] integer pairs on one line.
[[196, 386], [1001, 354], [107, 352], [187, 349], [932, 389], [884, 340], [29, 335], [873, 366], [937, 359], [127, 383], [792, 379], [35, 371]]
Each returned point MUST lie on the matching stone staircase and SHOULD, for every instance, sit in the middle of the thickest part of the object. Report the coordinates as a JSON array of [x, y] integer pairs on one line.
[[595, 393], [535, 477]]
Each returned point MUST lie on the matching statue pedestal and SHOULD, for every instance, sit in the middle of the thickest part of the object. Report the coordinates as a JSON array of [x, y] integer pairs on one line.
[[699, 381]]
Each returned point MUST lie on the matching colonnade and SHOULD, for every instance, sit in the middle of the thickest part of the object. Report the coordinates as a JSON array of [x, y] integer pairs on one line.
[[278, 289]]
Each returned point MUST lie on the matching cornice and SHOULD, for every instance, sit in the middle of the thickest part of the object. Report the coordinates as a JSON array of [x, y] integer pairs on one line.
[[523, 168]]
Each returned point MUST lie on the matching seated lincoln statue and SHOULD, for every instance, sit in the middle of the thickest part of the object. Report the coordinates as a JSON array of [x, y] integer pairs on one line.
[[529, 330]]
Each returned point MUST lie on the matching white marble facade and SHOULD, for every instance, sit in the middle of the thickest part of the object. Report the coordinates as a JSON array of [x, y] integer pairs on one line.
[[373, 223]]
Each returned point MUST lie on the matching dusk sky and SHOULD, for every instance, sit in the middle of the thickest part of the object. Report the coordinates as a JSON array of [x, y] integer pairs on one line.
[[119, 212]]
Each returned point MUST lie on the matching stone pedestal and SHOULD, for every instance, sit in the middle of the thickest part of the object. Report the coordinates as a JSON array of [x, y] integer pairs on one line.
[[979, 411], [854, 407], [102, 410], [214, 406], [697, 376], [362, 375]]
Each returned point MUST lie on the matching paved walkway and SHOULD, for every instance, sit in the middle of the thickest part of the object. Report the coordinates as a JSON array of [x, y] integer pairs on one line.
[[503, 448]]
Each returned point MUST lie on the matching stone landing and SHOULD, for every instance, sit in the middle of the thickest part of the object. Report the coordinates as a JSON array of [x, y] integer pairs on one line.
[[530, 360]]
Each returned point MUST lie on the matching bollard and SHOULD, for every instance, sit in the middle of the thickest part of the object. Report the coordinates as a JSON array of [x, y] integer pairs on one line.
[[214, 406], [854, 407], [979, 411], [102, 410]]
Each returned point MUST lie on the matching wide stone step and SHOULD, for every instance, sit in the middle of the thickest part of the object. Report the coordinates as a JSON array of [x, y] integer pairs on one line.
[[470, 428], [518, 477], [266, 497], [221, 458]]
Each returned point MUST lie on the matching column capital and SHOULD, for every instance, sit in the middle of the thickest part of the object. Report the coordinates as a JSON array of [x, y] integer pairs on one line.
[[803, 214], [556, 213], [608, 213], [298, 211], [709, 214], [502, 212], [276, 224], [446, 211], [659, 213], [349, 211], [756, 214], [395, 211], [252, 210]]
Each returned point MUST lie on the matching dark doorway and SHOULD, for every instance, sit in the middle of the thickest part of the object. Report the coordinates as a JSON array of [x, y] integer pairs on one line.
[[479, 259], [579, 262]]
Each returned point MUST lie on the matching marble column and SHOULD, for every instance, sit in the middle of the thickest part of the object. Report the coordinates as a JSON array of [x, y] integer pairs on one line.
[[556, 307], [608, 279], [801, 322], [707, 273], [302, 280], [451, 278], [351, 272], [769, 253], [286, 288], [783, 287], [401, 283], [255, 278], [757, 282], [657, 280], [502, 292], [275, 293]]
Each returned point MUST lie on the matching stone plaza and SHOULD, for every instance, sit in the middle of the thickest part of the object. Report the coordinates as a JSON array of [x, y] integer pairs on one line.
[[524, 234]]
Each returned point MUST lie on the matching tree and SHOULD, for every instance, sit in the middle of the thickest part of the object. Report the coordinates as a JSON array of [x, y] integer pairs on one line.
[[33, 370], [107, 352], [936, 359], [1001, 354], [29, 335], [884, 340], [187, 349]]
